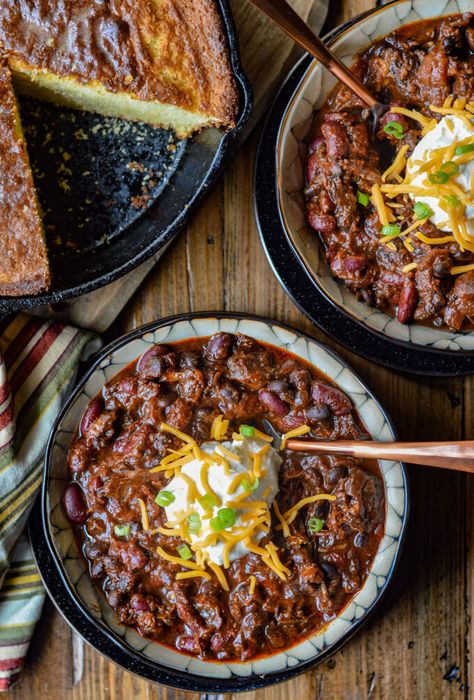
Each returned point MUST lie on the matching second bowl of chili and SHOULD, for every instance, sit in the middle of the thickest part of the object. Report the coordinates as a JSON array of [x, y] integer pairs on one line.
[[325, 538]]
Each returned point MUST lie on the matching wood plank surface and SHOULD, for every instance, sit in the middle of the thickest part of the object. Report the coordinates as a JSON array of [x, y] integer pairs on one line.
[[417, 644]]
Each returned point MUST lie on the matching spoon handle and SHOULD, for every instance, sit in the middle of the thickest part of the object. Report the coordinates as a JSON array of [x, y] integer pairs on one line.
[[280, 12], [458, 456]]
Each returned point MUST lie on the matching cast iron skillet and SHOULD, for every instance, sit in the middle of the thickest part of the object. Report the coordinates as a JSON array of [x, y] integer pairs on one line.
[[116, 193]]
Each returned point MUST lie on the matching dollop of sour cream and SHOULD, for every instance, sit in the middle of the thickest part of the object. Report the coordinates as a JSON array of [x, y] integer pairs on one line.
[[451, 129], [219, 480]]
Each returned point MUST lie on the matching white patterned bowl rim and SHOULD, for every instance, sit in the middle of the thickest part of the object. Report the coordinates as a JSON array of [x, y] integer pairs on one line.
[[308, 97], [63, 548]]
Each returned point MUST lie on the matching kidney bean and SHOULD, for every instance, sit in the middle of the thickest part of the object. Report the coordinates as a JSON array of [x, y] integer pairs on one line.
[[219, 347], [317, 412], [354, 263], [336, 400], [315, 144], [189, 360], [320, 222], [407, 303], [151, 364], [188, 644], [273, 403], [140, 603], [292, 421], [74, 503], [311, 168], [96, 483], [92, 412], [337, 141]]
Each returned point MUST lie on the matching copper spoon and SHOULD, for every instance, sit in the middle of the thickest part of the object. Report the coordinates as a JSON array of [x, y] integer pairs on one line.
[[458, 456], [280, 12]]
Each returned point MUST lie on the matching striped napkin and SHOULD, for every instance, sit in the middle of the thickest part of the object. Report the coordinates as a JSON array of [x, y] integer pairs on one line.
[[38, 364]]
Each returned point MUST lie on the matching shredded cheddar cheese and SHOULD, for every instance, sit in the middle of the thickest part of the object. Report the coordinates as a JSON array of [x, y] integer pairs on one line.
[[296, 432], [397, 182], [283, 523], [219, 575], [460, 269], [292, 512], [192, 574], [177, 560], [177, 433], [219, 428], [410, 267], [384, 214], [144, 512], [227, 454], [205, 482], [398, 165], [252, 583], [412, 114]]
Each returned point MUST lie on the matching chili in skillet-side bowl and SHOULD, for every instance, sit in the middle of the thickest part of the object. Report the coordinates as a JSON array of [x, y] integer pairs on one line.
[[199, 533], [396, 215]]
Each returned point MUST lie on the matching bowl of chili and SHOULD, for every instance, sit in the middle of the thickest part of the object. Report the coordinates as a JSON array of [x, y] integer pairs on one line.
[[362, 227], [244, 610]]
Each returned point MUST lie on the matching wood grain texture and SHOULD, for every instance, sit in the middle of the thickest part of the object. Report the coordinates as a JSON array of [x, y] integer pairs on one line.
[[416, 647]]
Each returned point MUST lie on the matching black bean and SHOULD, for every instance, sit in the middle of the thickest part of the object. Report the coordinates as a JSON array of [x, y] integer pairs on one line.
[[317, 412]]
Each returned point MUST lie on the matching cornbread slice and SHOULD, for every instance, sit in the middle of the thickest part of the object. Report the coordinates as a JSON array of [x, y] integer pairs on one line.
[[23, 260], [163, 62]]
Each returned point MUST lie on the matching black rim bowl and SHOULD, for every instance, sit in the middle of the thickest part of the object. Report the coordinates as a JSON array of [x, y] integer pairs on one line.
[[299, 285], [101, 637]]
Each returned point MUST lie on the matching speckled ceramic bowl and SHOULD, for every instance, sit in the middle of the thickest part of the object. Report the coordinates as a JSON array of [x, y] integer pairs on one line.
[[308, 96], [63, 569]]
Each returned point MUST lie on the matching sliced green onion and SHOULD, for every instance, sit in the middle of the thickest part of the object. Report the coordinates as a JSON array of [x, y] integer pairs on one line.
[[224, 519], [122, 530], [451, 201], [394, 129], [422, 210], [439, 178], [250, 485], [451, 168], [184, 552], [208, 501], [363, 198], [315, 525], [461, 150], [194, 523], [165, 498], [391, 230], [247, 430]]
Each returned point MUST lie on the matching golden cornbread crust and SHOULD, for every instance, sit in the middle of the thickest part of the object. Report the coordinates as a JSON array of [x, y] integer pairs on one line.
[[23, 260], [169, 52]]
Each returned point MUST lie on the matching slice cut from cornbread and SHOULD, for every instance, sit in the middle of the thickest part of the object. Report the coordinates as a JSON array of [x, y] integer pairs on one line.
[[164, 62], [23, 260]]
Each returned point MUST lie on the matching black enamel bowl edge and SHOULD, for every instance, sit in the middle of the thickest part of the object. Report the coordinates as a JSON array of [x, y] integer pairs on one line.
[[101, 637], [319, 308], [157, 245]]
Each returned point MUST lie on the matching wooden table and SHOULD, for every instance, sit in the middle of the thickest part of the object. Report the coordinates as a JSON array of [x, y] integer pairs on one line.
[[418, 643]]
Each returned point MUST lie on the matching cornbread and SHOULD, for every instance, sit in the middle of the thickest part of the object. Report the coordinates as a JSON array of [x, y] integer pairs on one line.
[[23, 260], [163, 62]]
